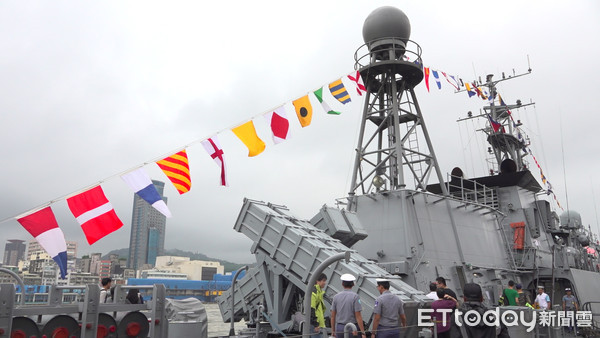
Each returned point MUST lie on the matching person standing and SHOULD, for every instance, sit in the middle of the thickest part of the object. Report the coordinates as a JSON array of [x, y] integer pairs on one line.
[[472, 309], [569, 303], [388, 311], [524, 299], [105, 292], [134, 297], [317, 306], [512, 296], [441, 283], [432, 291], [346, 308], [443, 319], [542, 300]]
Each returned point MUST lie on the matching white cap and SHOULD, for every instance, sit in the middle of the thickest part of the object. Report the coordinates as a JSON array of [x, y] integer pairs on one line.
[[540, 287], [347, 277], [381, 280]]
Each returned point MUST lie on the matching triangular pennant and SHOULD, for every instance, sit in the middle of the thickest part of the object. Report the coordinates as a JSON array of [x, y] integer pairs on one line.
[[437, 78], [139, 181], [43, 227], [177, 169]]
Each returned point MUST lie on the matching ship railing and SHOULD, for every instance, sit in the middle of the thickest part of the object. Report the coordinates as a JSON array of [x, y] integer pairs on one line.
[[594, 308], [388, 49], [471, 191]]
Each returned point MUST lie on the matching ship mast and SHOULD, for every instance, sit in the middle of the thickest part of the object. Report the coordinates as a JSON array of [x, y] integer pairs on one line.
[[507, 141], [393, 143]]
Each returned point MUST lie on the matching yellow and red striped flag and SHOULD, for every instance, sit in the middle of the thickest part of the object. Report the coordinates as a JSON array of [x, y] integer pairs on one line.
[[177, 169]]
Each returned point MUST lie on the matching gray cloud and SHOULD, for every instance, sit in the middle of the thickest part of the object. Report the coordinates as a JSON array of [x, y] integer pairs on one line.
[[92, 89]]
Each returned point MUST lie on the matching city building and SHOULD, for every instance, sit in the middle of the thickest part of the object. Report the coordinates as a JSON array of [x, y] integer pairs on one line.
[[83, 264], [104, 269], [160, 274], [82, 278], [147, 239], [14, 251], [33, 247], [204, 290], [195, 270], [117, 265], [95, 260]]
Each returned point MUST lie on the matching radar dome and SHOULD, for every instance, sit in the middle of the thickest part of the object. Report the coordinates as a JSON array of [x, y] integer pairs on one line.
[[571, 219], [386, 22], [583, 240]]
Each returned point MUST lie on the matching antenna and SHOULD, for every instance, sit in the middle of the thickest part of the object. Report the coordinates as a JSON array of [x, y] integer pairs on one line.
[[595, 207], [562, 146]]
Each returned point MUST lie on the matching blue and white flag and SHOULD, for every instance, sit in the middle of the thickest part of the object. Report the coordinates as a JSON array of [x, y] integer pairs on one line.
[[437, 78], [141, 184]]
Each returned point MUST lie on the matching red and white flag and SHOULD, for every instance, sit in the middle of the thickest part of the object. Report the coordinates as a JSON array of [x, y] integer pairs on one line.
[[213, 148], [360, 86], [453, 82], [43, 226], [94, 213], [279, 124]]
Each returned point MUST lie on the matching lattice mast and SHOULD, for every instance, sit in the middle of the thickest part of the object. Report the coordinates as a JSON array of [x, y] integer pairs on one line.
[[506, 139], [392, 133]]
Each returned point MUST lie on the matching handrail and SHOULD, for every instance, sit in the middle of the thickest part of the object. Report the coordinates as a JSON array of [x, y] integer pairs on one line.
[[480, 193], [587, 306], [19, 280]]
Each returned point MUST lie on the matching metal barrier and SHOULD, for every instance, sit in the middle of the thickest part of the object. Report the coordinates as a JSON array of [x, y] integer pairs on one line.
[[86, 319], [590, 306]]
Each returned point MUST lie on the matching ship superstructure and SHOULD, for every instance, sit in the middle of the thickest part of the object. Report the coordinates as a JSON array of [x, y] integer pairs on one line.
[[487, 230]]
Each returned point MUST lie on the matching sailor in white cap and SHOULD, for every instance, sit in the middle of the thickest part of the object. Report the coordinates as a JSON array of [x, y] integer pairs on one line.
[[542, 300], [346, 308], [569, 304], [389, 312]]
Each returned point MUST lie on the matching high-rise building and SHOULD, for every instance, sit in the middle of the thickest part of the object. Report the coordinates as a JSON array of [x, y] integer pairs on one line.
[[33, 247], [14, 251], [147, 240]]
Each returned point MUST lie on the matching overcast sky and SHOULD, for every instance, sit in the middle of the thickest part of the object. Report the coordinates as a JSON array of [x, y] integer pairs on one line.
[[92, 89]]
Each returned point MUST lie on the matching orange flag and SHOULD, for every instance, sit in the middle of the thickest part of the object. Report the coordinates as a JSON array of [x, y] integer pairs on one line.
[[303, 110], [247, 134]]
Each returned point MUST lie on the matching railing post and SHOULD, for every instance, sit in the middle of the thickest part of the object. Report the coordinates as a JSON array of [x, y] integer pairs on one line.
[[349, 328]]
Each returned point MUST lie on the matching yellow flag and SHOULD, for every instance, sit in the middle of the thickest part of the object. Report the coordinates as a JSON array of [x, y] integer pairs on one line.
[[303, 110], [247, 134]]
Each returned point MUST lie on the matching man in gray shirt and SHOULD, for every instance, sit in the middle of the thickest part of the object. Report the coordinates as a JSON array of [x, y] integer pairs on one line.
[[389, 311], [346, 308]]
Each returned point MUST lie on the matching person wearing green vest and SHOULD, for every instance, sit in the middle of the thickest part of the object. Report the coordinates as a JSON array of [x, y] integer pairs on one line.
[[317, 306]]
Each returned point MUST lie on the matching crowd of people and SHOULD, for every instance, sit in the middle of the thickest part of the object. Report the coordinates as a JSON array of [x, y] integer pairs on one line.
[[389, 316], [107, 293]]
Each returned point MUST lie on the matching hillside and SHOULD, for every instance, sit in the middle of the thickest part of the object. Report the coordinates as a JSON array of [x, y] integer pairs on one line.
[[229, 266]]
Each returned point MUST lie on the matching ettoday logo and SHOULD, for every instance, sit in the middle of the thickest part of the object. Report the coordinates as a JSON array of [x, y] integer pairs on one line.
[[493, 317]]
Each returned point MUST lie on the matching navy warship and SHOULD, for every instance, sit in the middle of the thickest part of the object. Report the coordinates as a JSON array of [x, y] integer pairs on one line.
[[396, 224]]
